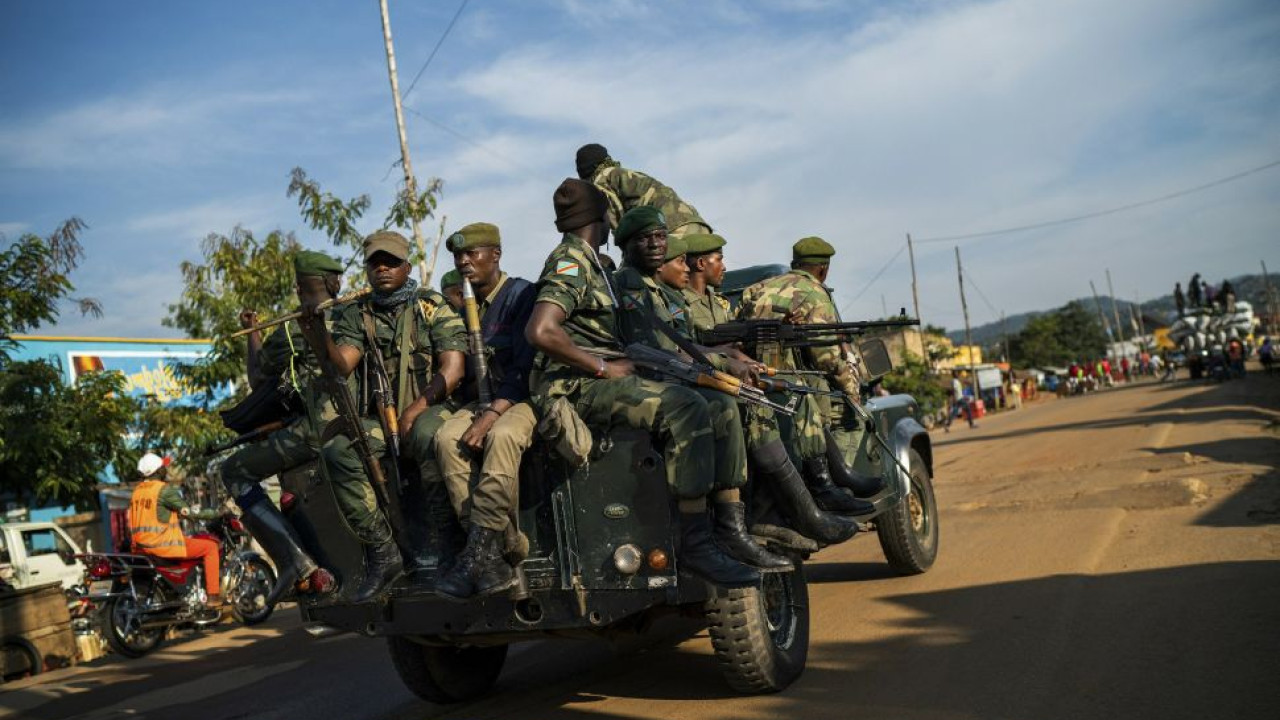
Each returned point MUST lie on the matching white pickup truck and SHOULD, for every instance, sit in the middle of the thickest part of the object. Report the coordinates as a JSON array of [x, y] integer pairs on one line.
[[37, 553]]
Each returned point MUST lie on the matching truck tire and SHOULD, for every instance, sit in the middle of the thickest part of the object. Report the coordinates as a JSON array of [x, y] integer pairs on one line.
[[449, 673], [761, 634], [909, 532]]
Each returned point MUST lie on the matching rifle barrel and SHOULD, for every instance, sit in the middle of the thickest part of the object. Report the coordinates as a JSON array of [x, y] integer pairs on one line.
[[343, 300]]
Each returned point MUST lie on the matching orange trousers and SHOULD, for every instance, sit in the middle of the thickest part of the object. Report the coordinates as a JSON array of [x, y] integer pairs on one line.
[[209, 551]]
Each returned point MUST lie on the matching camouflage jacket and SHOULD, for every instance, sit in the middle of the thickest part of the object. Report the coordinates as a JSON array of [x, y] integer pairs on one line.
[[642, 299], [706, 310], [626, 189], [573, 281], [409, 337], [799, 297]]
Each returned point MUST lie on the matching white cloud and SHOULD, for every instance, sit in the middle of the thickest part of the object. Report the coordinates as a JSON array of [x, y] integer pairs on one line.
[[13, 229]]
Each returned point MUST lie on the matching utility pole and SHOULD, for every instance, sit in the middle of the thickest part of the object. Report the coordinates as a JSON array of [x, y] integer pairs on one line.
[[1101, 317], [1142, 325], [884, 308], [915, 293], [410, 183], [968, 338], [1271, 300], [1005, 355], [1115, 314]]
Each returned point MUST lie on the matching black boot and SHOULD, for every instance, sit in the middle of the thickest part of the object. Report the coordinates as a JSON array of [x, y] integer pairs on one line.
[[480, 569], [700, 555], [274, 533], [863, 486], [381, 566], [732, 535], [794, 500], [817, 475]]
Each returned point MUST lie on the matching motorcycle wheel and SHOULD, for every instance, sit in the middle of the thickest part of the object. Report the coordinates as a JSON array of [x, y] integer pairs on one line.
[[249, 598], [122, 624]]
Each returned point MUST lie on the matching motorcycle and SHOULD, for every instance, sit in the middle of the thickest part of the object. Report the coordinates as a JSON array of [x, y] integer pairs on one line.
[[142, 596]]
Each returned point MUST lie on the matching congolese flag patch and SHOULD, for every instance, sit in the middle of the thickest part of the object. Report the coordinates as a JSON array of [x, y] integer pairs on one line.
[[567, 267]]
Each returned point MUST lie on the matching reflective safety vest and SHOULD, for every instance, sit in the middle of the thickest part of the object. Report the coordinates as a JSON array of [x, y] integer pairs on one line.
[[149, 534]]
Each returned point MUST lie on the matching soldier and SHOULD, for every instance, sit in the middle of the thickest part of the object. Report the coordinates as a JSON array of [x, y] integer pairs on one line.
[[799, 296], [575, 311], [626, 189], [489, 438], [421, 344], [451, 288], [705, 259], [285, 357], [642, 236], [673, 274]]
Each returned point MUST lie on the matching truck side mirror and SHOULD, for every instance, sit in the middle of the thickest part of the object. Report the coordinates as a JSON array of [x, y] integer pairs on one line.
[[875, 357]]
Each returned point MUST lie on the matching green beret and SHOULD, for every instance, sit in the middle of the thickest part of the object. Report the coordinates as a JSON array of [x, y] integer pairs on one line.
[[812, 251], [676, 247], [639, 219], [450, 279], [309, 263], [475, 235], [702, 243]]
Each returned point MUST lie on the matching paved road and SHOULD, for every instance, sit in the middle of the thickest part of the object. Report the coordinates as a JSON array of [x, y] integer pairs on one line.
[[1116, 555]]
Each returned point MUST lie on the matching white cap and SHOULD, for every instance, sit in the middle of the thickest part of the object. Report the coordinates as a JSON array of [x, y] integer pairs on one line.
[[148, 464]]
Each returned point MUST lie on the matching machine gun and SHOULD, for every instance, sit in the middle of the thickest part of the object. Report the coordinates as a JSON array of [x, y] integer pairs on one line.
[[779, 332], [475, 344]]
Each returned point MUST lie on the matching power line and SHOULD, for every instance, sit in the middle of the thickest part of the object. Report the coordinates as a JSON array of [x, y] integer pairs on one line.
[[985, 301], [1100, 213], [477, 145], [876, 277], [434, 50]]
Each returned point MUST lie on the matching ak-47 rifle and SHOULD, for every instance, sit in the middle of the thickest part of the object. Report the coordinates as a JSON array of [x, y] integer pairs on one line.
[[778, 331], [384, 398], [343, 300], [475, 344]]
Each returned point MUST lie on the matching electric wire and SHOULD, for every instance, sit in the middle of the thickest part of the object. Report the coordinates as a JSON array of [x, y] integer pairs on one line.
[[1100, 213], [434, 50], [874, 278]]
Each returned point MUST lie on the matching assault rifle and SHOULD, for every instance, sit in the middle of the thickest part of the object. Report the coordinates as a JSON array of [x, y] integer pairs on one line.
[[343, 300], [475, 344], [778, 332]]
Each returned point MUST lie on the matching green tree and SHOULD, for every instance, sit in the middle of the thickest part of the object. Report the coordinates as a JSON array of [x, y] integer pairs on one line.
[[1057, 338], [57, 437], [912, 377]]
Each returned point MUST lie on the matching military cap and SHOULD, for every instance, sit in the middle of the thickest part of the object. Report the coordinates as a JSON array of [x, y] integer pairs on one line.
[[702, 243], [388, 241], [578, 204], [453, 278], [589, 158], [639, 219], [475, 235], [676, 247], [812, 251], [309, 263]]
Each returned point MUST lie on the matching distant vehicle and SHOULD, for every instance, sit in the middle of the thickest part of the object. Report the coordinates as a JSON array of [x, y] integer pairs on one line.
[[38, 553]]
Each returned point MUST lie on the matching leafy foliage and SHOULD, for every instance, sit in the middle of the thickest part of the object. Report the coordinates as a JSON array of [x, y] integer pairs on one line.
[[179, 431], [913, 377], [36, 277], [1067, 334]]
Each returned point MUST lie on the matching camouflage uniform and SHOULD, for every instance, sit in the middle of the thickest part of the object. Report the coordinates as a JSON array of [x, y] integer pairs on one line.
[[799, 296], [573, 280], [641, 298], [409, 336], [706, 310], [626, 189]]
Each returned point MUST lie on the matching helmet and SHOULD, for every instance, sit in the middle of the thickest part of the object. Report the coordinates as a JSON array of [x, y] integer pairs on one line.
[[148, 464]]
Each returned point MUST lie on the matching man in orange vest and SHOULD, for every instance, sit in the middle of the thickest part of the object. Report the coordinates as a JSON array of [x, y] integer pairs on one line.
[[154, 514]]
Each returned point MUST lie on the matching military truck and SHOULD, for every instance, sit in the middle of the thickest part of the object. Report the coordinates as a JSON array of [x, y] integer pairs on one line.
[[603, 559]]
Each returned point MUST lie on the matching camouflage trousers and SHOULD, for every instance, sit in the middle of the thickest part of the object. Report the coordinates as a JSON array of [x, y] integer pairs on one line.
[[847, 428], [802, 434], [700, 429], [244, 471], [351, 485], [485, 489]]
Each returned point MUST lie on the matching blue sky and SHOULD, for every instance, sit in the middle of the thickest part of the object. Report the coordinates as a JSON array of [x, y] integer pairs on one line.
[[158, 123]]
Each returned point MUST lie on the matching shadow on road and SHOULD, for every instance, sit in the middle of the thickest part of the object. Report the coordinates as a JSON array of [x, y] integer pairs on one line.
[[1187, 642]]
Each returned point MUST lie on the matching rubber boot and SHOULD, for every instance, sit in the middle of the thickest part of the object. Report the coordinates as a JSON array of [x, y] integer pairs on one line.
[[794, 500], [274, 533], [382, 565], [829, 497], [863, 486], [700, 555], [480, 569], [732, 535]]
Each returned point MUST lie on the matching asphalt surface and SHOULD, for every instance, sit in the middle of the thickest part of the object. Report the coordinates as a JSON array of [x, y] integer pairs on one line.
[[1115, 555]]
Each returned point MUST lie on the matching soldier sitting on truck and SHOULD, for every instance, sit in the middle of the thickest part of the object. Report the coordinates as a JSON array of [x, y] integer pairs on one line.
[[642, 236], [410, 348], [626, 189], [495, 427], [285, 357], [575, 311]]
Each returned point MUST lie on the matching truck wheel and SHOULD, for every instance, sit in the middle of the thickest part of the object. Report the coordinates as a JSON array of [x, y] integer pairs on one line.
[[446, 674], [761, 634], [909, 532], [122, 624]]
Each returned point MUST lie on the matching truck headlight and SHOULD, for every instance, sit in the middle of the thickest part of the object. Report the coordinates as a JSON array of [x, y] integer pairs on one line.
[[627, 558]]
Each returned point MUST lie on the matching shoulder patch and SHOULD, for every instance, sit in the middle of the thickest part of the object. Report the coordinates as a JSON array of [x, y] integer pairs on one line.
[[567, 267]]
